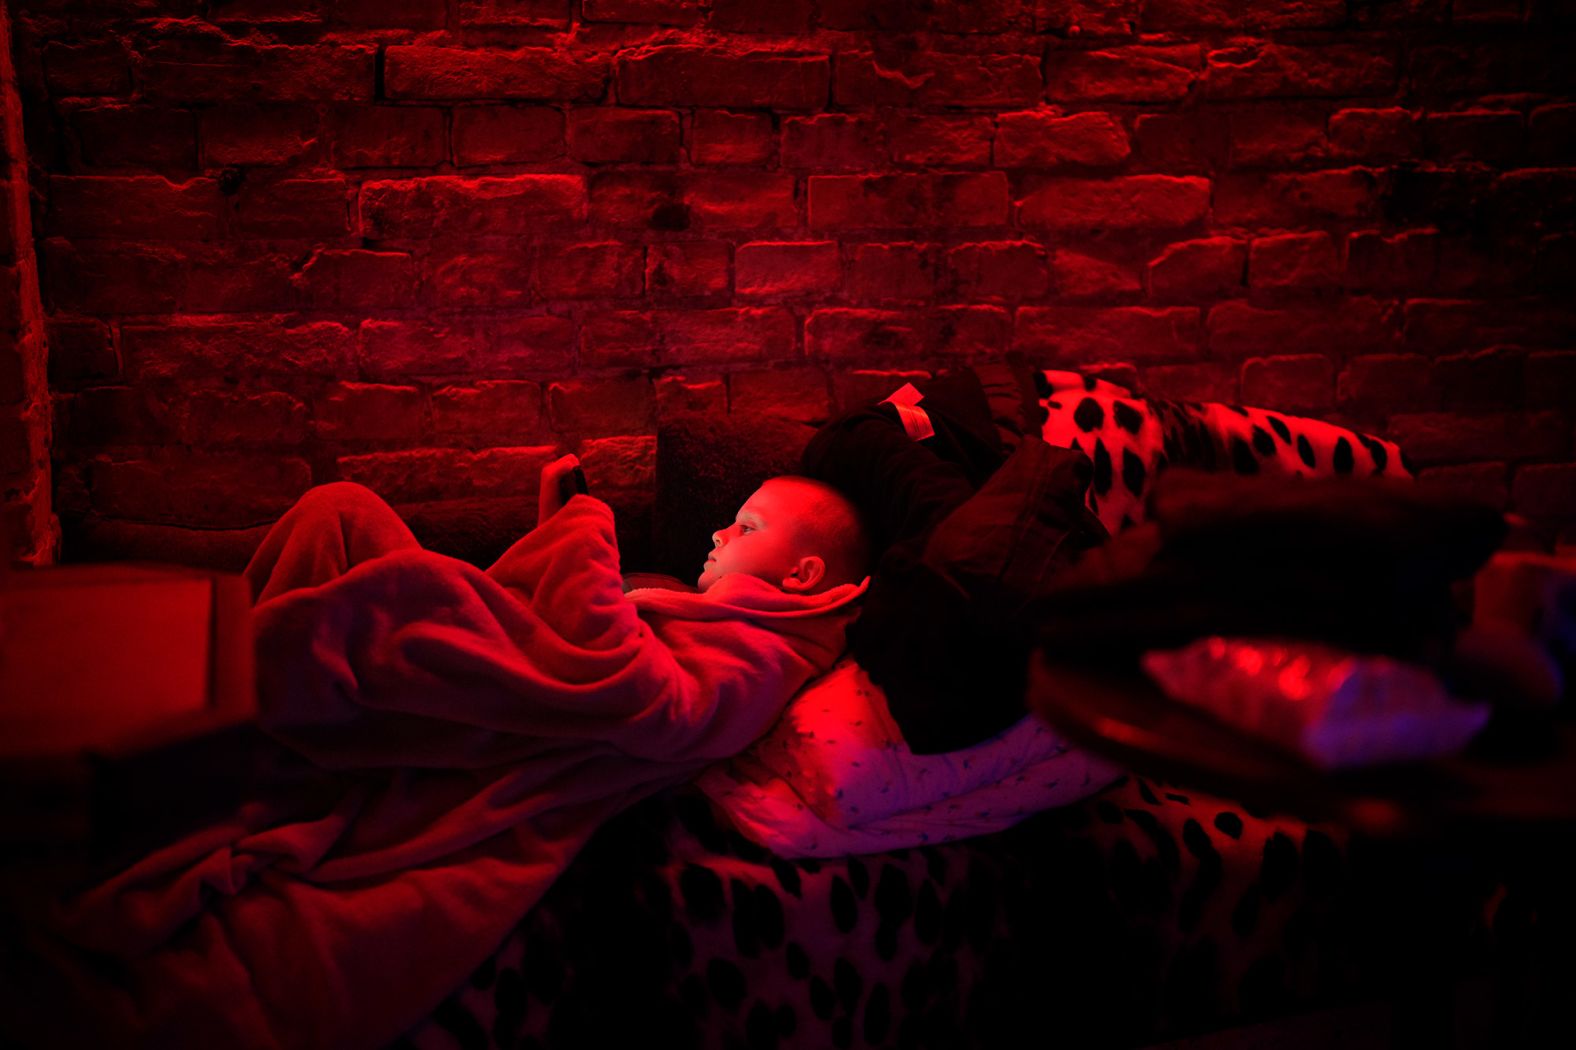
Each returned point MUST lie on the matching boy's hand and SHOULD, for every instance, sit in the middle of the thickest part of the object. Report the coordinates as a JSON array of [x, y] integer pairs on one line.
[[548, 495]]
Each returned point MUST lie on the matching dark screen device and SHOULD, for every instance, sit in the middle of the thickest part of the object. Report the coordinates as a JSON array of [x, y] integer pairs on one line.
[[572, 483]]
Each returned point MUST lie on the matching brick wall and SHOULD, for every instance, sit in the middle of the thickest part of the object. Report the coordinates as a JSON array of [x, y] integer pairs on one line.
[[29, 534], [424, 244]]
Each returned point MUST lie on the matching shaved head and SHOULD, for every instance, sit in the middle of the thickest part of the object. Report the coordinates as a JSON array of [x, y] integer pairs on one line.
[[829, 525]]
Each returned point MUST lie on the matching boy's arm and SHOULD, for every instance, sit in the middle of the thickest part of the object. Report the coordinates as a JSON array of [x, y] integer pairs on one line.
[[550, 489]]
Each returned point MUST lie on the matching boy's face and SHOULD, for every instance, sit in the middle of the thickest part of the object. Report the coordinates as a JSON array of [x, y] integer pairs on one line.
[[764, 541]]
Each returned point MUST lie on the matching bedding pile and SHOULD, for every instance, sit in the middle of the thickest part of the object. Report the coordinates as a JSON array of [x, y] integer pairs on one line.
[[480, 727]]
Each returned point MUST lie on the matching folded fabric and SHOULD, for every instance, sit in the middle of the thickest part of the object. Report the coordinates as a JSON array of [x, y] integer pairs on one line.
[[1534, 595], [838, 748], [1333, 708]]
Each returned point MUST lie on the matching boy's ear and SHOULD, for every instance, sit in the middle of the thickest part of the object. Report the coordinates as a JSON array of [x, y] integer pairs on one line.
[[807, 572]]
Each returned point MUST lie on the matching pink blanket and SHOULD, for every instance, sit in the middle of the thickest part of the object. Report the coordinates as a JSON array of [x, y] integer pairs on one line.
[[486, 724]]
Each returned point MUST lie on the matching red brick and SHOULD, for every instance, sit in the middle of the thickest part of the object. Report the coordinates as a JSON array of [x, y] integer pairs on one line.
[[400, 349], [1292, 200], [1277, 136], [515, 13], [79, 352], [449, 206], [681, 395], [242, 134], [1484, 482], [1353, 326], [1195, 382], [136, 137], [1393, 382], [687, 268], [199, 491], [1550, 379], [1554, 263], [1436, 326], [1486, 12], [238, 277], [221, 417], [972, 331], [694, 337], [368, 412], [356, 278], [1123, 74], [1299, 383], [100, 418], [448, 473], [1450, 437], [718, 137], [198, 349], [751, 16], [741, 200], [1484, 380], [1471, 265], [99, 278], [622, 465], [1368, 135], [1203, 269], [501, 411], [1294, 260], [87, 67], [932, 79], [1403, 262], [939, 140], [507, 134], [1075, 275], [858, 335], [853, 389], [601, 406], [132, 206], [1001, 271], [468, 277], [777, 268], [607, 136], [1535, 199], [1134, 202], [1179, 143], [832, 142], [463, 74], [316, 208], [982, 16], [191, 68], [660, 12], [857, 201], [389, 136], [1551, 133], [1044, 139], [620, 339], [1240, 15], [1484, 136], [538, 344], [682, 75], [1545, 491], [1262, 70], [880, 272], [608, 269], [799, 394], [1527, 62], [1084, 334]]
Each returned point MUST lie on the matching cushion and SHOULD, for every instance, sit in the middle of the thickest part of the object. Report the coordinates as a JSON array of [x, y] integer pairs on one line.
[[1130, 439]]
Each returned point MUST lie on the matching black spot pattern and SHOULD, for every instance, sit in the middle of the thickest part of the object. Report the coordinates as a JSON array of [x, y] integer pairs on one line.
[[702, 891], [1376, 451], [878, 1015], [1229, 823], [1342, 461], [1245, 916], [1263, 444], [1279, 869], [1102, 468], [1133, 473], [1279, 426], [798, 961], [746, 929], [845, 911], [760, 1027], [847, 983], [822, 1001], [1305, 452], [1243, 461], [725, 981], [927, 914], [787, 877], [1089, 415], [1127, 417], [894, 904], [768, 917], [858, 877]]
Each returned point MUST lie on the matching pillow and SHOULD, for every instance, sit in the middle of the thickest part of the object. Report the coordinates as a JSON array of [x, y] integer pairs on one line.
[[1131, 438], [843, 756]]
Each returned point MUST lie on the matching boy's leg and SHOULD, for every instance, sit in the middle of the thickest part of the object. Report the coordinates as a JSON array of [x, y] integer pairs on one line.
[[330, 529]]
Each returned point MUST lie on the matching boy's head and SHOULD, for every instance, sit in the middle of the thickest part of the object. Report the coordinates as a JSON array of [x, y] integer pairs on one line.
[[795, 533]]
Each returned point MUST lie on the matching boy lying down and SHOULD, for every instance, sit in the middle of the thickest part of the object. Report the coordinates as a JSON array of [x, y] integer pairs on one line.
[[480, 726]]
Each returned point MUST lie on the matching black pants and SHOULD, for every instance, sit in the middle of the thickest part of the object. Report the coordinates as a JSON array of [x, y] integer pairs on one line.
[[969, 526]]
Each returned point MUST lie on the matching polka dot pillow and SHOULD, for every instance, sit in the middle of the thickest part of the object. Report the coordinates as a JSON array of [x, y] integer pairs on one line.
[[1130, 439]]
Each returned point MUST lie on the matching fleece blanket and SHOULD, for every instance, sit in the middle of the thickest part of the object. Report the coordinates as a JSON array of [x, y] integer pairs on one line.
[[481, 726]]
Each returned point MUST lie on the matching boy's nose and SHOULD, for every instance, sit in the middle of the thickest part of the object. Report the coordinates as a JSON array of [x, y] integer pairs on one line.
[[716, 540]]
